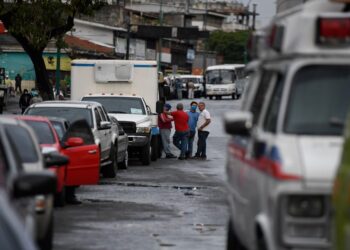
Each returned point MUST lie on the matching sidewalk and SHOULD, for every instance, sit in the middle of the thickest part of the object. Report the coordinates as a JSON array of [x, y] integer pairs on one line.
[[12, 106]]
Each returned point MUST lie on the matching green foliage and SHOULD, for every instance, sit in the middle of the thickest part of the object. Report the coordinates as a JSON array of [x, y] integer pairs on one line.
[[39, 21], [232, 45]]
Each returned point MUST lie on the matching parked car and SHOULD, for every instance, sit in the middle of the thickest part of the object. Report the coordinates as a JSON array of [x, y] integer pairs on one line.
[[13, 235], [83, 166], [23, 138], [98, 120], [119, 134], [22, 185]]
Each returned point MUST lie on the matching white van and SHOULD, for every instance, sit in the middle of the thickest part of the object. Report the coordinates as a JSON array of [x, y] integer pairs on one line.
[[224, 80], [287, 140], [129, 92]]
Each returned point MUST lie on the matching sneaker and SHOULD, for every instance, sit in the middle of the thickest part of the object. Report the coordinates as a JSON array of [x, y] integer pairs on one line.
[[170, 156], [182, 158], [197, 156], [203, 158], [73, 201]]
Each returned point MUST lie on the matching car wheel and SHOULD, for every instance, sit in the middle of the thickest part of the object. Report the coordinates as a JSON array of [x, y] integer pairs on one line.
[[145, 155], [234, 96], [261, 242], [232, 240], [125, 163], [60, 198], [109, 171], [47, 242], [154, 148], [211, 97]]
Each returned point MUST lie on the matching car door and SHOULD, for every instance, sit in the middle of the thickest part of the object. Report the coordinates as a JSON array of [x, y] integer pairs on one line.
[[107, 131], [84, 158], [122, 139]]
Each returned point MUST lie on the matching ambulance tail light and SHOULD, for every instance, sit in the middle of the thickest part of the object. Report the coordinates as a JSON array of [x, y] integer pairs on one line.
[[333, 31]]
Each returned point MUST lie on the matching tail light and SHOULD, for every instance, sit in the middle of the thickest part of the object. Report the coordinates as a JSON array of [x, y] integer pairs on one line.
[[333, 31]]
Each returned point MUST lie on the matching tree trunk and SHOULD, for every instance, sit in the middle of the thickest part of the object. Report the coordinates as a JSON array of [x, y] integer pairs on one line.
[[42, 78]]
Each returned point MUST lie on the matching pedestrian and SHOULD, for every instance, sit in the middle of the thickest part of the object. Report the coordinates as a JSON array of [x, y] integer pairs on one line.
[[178, 87], [24, 100], [192, 123], [180, 138], [35, 96], [203, 131], [164, 124], [18, 83], [190, 87]]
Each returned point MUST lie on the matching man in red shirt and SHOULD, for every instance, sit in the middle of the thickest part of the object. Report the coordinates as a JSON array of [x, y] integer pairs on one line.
[[182, 129], [164, 124]]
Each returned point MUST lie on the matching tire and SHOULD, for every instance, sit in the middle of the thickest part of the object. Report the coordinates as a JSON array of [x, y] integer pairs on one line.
[[60, 198], [232, 240], [234, 96], [125, 163], [47, 242], [261, 242], [154, 148], [211, 97], [109, 171], [145, 155], [218, 97]]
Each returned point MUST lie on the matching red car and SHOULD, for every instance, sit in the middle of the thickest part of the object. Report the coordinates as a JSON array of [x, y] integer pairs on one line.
[[77, 143]]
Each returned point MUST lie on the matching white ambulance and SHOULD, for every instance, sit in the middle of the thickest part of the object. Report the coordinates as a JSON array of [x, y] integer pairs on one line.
[[129, 92], [287, 140]]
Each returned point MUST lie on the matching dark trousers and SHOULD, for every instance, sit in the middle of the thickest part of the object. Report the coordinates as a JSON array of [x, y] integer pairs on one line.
[[18, 87], [190, 142], [202, 143], [180, 140]]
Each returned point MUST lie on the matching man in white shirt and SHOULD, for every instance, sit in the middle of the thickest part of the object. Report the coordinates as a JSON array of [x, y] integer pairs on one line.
[[203, 131]]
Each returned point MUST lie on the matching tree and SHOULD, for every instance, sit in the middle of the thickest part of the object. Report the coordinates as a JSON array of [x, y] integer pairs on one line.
[[232, 45], [34, 23]]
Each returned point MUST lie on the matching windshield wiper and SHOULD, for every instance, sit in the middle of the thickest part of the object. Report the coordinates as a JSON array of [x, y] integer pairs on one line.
[[336, 122], [117, 112]]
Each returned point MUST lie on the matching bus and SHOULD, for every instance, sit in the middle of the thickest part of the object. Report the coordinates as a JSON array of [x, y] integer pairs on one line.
[[225, 80]]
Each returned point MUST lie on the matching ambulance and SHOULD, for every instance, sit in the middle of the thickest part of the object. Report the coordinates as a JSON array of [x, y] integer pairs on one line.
[[287, 139]]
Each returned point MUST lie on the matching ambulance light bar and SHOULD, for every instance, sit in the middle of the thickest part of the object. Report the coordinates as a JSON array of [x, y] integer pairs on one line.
[[333, 31]]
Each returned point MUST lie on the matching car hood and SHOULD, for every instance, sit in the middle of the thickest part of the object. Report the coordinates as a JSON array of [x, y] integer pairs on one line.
[[131, 118], [219, 86], [320, 157]]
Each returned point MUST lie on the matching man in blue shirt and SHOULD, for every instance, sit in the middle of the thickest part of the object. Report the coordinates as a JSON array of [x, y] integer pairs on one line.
[[192, 123]]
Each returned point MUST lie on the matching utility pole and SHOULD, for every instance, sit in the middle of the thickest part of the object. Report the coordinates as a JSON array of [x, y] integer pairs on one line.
[[58, 70], [160, 39], [127, 56], [254, 16], [204, 65]]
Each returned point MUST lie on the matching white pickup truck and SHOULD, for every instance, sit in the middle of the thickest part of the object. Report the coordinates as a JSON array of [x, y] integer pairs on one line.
[[129, 92]]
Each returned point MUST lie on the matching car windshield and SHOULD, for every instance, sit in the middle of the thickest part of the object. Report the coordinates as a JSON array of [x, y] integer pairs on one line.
[[319, 100], [69, 113], [43, 131], [60, 130], [23, 143], [222, 76], [120, 105], [189, 79]]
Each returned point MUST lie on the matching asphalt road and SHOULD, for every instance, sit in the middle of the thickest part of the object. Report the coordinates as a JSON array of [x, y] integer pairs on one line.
[[171, 204]]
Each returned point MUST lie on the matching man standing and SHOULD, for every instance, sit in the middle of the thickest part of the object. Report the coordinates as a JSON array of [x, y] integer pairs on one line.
[[180, 138], [203, 131], [18, 80], [178, 87], [24, 100], [190, 89], [192, 123], [164, 123]]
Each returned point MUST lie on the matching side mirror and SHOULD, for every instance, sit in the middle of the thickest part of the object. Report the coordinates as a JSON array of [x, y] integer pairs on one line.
[[105, 125], [74, 142], [55, 159], [238, 123], [31, 184], [159, 107]]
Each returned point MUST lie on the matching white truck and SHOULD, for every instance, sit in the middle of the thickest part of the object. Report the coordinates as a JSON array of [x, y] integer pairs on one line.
[[129, 92]]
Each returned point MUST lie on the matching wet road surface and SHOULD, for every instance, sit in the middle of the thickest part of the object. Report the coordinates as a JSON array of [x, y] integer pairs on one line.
[[171, 204]]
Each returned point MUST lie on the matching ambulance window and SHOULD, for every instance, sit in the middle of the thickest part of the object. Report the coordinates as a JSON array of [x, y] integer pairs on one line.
[[260, 96], [270, 123]]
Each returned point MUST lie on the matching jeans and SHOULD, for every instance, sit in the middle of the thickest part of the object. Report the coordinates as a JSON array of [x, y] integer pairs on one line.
[[180, 141], [165, 135], [202, 143], [190, 142]]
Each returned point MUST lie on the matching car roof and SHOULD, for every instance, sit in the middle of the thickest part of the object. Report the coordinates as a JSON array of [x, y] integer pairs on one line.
[[226, 66], [112, 95], [71, 104]]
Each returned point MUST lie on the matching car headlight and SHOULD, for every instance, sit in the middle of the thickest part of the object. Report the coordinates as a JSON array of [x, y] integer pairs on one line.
[[143, 130], [306, 206]]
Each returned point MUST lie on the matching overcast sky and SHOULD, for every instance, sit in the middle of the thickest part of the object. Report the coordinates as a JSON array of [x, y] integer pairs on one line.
[[266, 9]]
